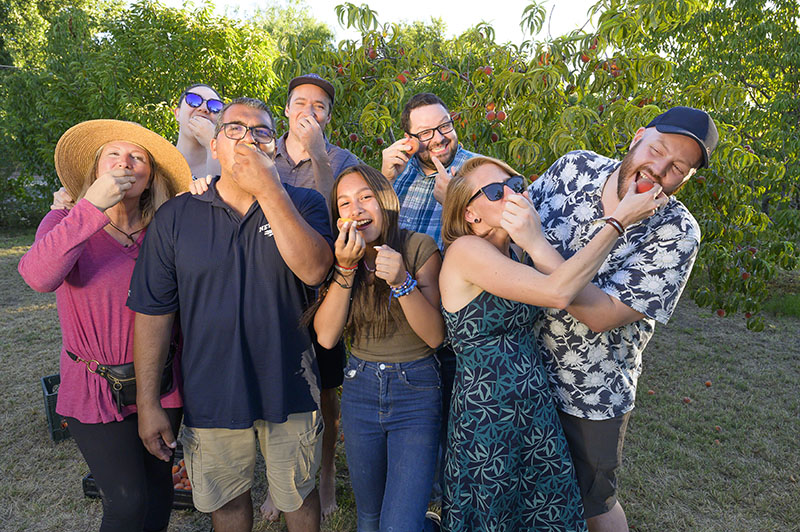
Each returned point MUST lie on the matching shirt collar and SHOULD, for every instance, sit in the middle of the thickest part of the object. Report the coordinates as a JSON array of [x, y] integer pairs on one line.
[[280, 148], [212, 196]]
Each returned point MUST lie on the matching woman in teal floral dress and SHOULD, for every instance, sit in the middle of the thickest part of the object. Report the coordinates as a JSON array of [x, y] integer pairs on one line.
[[508, 466]]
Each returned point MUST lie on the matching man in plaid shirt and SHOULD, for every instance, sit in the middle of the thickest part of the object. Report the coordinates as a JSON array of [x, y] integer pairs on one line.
[[421, 180], [420, 166]]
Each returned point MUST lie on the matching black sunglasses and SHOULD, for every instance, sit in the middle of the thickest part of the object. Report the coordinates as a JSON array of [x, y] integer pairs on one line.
[[195, 100], [494, 191]]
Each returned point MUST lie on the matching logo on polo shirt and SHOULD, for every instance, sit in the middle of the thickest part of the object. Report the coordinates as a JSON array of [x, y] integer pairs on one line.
[[265, 229]]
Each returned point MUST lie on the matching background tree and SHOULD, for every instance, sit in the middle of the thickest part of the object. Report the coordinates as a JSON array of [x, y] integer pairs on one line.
[[126, 63], [532, 102], [754, 46], [292, 18], [527, 103]]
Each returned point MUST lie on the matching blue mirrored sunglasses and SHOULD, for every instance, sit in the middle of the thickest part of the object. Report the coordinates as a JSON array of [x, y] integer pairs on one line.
[[195, 100]]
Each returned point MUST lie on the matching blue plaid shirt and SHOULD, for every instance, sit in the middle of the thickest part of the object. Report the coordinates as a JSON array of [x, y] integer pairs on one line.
[[419, 210]]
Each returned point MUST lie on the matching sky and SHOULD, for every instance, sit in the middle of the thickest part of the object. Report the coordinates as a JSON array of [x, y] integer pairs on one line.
[[458, 15]]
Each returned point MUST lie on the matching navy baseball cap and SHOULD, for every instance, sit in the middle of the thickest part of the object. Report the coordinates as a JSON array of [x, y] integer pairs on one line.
[[690, 122], [313, 79]]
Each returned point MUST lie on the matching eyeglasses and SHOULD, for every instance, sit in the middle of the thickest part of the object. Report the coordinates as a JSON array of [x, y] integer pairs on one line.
[[427, 134], [495, 191], [195, 100], [260, 134]]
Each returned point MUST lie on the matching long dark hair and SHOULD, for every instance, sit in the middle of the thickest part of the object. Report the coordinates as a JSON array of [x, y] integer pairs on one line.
[[370, 310]]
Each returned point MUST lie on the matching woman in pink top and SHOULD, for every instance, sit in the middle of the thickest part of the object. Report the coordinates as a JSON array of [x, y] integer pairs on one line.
[[120, 173]]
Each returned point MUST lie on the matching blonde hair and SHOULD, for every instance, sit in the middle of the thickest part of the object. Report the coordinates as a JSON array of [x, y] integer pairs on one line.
[[459, 192], [160, 189]]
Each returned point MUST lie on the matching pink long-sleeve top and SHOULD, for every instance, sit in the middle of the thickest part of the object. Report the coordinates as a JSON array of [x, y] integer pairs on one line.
[[90, 273]]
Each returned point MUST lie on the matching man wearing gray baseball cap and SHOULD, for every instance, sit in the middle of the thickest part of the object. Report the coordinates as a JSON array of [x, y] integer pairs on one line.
[[304, 157], [592, 350]]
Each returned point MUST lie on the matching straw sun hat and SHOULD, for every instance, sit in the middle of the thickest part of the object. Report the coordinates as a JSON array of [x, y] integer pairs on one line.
[[76, 149]]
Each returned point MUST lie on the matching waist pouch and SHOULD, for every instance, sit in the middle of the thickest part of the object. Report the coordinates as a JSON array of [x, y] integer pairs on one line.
[[122, 377]]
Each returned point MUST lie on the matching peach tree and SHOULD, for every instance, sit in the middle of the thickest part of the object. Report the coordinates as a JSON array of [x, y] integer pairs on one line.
[[87, 60], [531, 102], [527, 103]]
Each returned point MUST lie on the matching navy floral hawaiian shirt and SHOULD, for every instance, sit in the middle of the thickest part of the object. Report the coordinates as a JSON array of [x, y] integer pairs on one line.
[[593, 375]]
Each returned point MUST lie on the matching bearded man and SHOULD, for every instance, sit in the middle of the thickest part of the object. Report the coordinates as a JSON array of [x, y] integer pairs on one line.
[[593, 349]]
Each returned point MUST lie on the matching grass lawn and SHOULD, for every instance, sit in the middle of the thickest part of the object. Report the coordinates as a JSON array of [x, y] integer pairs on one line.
[[726, 460]]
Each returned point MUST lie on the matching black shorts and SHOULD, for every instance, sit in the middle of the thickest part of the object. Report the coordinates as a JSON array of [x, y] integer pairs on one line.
[[331, 364], [596, 449]]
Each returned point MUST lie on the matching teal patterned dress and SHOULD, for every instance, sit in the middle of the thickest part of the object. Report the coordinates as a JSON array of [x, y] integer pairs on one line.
[[507, 467]]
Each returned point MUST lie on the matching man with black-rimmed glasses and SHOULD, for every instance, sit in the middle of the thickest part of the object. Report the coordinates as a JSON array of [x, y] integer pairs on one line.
[[420, 166], [234, 264]]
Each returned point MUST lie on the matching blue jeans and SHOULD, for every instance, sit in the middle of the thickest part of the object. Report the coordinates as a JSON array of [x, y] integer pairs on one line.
[[391, 414]]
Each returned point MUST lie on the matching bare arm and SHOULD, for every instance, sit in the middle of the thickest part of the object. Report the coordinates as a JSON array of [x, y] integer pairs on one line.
[[421, 306], [310, 135], [151, 338], [303, 249], [600, 311], [474, 262], [592, 306], [331, 316], [323, 174]]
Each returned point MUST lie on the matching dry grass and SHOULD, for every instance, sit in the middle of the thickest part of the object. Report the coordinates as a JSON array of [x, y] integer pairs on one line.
[[675, 476], [40, 481]]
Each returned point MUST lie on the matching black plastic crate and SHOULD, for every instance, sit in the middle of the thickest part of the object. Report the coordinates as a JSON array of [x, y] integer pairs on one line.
[[182, 500], [56, 424]]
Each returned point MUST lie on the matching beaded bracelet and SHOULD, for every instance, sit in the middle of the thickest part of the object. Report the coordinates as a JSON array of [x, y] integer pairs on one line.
[[404, 289]]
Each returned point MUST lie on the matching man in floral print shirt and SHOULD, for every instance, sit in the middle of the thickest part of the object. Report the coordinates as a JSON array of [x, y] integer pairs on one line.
[[593, 349]]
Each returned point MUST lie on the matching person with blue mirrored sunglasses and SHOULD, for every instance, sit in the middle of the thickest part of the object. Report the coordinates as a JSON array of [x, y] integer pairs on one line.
[[196, 113]]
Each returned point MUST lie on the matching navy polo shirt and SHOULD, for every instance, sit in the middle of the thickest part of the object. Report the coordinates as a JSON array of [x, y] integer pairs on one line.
[[245, 357]]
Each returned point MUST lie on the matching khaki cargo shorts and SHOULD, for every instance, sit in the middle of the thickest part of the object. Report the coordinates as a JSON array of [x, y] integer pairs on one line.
[[220, 462]]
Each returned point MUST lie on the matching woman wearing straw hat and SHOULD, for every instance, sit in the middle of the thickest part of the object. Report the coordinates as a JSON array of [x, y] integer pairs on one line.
[[120, 174]]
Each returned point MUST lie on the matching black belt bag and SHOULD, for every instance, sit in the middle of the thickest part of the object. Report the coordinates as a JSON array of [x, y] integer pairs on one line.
[[122, 377]]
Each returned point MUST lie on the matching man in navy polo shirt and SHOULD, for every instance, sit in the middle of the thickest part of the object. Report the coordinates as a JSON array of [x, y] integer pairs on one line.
[[234, 262]]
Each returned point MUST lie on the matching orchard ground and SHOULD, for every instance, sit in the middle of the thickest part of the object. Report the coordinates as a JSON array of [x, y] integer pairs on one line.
[[712, 448]]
